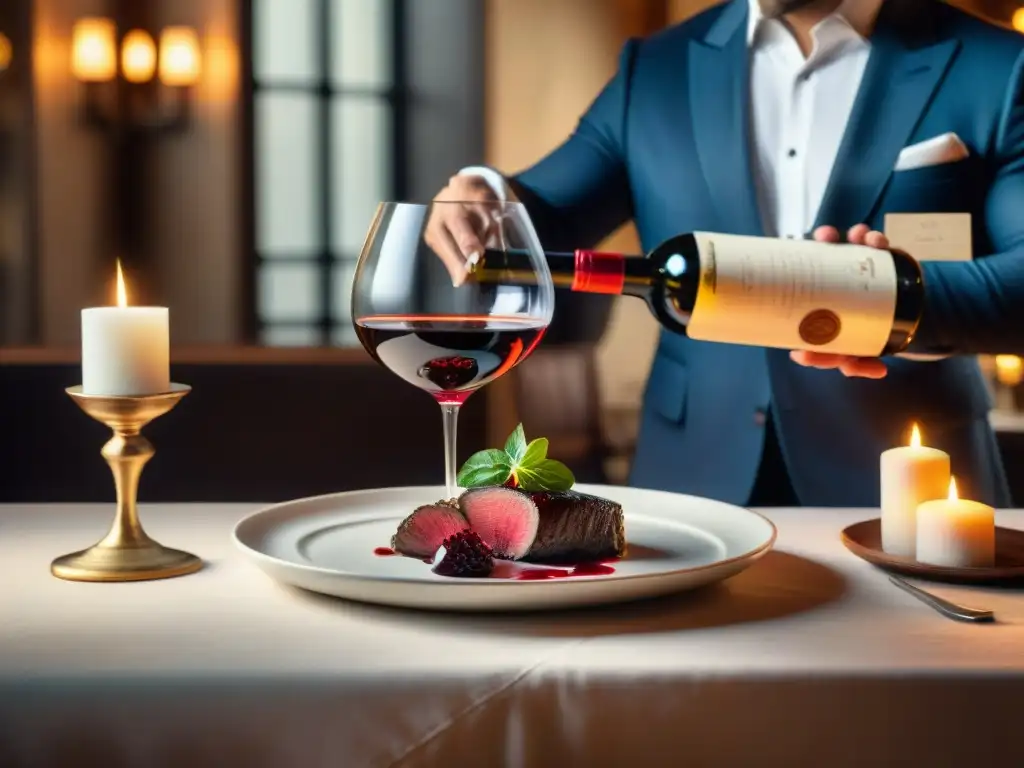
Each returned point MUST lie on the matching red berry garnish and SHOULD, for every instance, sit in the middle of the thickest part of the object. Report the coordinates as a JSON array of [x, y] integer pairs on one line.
[[466, 556], [450, 373]]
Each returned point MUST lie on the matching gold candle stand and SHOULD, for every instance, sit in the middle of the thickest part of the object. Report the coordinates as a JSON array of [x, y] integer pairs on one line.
[[126, 553]]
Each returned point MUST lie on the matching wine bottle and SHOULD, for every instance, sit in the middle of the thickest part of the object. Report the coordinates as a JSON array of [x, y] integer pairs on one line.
[[788, 294]]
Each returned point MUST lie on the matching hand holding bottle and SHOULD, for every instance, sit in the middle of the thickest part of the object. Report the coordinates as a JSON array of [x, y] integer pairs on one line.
[[848, 365], [458, 233]]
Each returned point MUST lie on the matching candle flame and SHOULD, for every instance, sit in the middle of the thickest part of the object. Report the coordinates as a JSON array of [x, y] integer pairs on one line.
[[122, 292], [915, 437], [952, 489]]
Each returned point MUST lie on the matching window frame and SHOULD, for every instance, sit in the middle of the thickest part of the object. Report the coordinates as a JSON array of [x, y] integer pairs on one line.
[[397, 97]]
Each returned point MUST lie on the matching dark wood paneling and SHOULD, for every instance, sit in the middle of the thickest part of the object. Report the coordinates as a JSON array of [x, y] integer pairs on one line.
[[247, 432]]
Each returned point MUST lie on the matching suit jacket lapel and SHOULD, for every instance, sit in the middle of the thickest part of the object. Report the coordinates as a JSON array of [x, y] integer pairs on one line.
[[719, 110], [905, 67]]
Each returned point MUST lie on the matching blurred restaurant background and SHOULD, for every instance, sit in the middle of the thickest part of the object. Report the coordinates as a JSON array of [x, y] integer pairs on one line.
[[231, 154]]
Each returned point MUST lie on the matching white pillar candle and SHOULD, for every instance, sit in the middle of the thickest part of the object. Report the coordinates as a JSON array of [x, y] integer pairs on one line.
[[909, 475], [956, 533], [125, 350]]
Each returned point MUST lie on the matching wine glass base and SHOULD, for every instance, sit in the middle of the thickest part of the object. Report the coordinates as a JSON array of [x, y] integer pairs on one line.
[[111, 564]]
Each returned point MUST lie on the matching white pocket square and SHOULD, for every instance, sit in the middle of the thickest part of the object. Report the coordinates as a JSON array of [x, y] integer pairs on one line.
[[947, 148]]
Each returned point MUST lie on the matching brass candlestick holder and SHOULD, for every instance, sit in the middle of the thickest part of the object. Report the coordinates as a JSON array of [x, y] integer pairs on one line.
[[126, 553]]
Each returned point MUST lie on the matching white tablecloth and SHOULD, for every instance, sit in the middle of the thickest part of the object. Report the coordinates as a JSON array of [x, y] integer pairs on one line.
[[809, 658]]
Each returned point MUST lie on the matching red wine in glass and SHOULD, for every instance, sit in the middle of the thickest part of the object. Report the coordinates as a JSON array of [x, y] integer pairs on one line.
[[418, 311], [449, 356]]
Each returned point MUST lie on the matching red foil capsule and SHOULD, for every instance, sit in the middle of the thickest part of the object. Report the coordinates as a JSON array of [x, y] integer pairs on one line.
[[599, 272]]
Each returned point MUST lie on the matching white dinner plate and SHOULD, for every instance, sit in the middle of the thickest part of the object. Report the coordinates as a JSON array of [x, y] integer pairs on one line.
[[327, 544]]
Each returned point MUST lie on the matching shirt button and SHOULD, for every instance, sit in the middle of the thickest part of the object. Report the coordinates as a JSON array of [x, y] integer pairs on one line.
[[760, 417], [792, 153]]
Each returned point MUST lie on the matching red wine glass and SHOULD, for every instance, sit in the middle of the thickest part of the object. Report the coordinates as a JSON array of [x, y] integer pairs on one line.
[[448, 336]]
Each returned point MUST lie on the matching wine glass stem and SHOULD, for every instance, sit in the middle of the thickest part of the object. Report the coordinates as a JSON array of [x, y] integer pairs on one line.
[[450, 414]]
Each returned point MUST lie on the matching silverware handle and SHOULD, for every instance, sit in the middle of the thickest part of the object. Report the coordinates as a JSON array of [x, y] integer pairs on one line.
[[952, 610]]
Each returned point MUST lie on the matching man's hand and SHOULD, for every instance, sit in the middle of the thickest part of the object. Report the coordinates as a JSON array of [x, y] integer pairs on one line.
[[461, 222], [848, 365]]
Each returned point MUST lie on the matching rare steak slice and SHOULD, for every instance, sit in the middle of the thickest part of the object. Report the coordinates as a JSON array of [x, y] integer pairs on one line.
[[422, 533], [505, 520]]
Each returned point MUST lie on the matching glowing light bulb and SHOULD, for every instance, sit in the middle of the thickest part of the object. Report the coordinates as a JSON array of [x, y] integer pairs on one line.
[[94, 50], [138, 57], [179, 56], [6, 52]]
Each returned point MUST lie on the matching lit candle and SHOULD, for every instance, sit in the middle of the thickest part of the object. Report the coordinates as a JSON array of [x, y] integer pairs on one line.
[[909, 475], [1009, 370], [1009, 373], [955, 532], [125, 350]]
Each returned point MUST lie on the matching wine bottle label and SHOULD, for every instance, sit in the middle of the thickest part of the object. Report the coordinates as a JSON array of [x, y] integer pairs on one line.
[[794, 294]]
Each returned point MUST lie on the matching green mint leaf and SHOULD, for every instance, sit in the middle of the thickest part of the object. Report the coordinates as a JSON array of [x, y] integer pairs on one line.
[[535, 453], [483, 467], [483, 477], [515, 446], [548, 475]]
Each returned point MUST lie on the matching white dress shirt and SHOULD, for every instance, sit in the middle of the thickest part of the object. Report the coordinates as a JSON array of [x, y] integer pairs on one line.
[[799, 107]]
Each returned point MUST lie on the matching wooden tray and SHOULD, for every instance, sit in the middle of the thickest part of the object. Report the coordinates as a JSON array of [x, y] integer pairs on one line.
[[864, 539]]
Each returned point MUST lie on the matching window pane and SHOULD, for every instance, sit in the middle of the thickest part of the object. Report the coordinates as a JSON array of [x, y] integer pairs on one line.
[[361, 43], [341, 276], [288, 192], [289, 292], [284, 40], [290, 336], [361, 168]]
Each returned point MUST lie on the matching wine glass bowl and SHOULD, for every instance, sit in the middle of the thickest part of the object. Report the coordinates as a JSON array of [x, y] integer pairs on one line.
[[444, 328]]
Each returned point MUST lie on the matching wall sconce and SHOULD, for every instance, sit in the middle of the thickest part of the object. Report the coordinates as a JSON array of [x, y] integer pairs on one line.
[[6, 52], [135, 88], [156, 82]]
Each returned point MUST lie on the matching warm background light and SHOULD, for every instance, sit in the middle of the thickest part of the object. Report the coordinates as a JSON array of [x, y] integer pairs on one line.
[[179, 56], [1009, 370], [6, 51], [122, 291], [94, 50], [915, 437], [138, 57], [1018, 19]]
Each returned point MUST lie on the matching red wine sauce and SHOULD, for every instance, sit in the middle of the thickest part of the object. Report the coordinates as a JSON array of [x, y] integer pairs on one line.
[[517, 572], [583, 569]]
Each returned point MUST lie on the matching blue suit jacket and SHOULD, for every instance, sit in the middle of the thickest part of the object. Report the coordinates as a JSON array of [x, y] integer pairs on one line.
[[665, 144]]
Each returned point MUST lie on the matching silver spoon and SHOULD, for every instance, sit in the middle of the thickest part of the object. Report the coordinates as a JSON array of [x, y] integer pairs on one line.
[[946, 608]]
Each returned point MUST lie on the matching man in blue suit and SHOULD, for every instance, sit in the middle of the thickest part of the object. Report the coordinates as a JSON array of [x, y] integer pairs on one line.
[[788, 118]]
